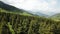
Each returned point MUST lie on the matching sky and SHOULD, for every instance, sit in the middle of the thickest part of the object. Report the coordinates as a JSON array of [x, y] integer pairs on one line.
[[44, 6]]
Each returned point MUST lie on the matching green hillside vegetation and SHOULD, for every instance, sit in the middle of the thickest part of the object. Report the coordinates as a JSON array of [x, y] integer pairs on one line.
[[13, 23], [56, 17], [16, 12]]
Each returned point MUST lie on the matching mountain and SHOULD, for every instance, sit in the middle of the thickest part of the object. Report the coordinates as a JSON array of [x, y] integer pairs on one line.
[[20, 24], [9, 8], [13, 9], [41, 14], [56, 16]]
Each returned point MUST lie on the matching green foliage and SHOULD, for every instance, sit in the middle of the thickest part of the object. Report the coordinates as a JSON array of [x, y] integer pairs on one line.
[[18, 21], [10, 28], [19, 24]]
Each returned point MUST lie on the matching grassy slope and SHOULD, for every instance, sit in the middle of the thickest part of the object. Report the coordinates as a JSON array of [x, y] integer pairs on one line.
[[56, 17], [16, 12]]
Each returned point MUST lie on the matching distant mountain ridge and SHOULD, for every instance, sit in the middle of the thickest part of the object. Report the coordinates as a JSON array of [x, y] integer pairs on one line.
[[8, 7], [14, 9], [41, 14]]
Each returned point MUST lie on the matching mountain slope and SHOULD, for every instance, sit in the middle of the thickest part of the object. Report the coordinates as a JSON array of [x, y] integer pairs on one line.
[[11, 9], [41, 14], [38, 14], [19, 24], [56, 16], [7, 7]]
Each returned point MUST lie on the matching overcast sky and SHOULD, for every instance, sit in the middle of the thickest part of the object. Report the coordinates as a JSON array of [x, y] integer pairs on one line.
[[44, 6]]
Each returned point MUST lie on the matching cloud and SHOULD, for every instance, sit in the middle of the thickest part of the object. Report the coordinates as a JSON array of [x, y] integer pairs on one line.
[[45, 6]]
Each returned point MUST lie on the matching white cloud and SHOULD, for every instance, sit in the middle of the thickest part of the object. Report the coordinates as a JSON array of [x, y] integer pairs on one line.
[[45, 6]]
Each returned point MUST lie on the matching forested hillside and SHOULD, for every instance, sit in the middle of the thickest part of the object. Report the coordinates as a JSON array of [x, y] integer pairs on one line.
[[19, 24], [18, 21]]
